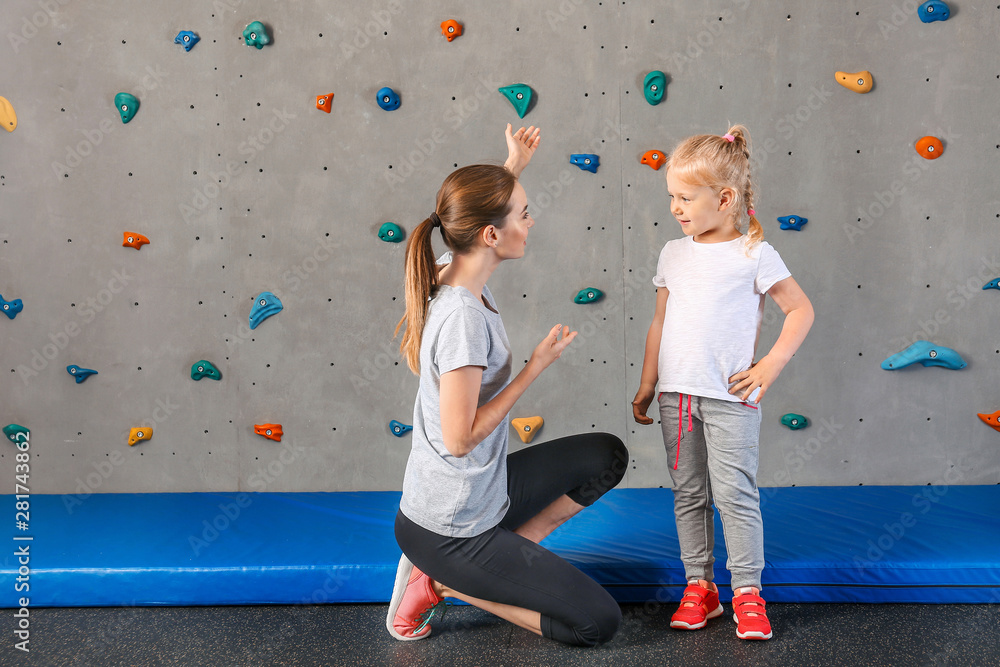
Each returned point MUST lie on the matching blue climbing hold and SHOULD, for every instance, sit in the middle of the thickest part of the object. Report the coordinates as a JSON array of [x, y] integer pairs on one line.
[[793, 222], [588, 295], [926, 353], [390, 232], [266, 305], [255, 34], [586, 161], [80, 374], [993, 284], [519, 95], [127, 106], [187, 39], [11, 308], [387, 99], [933, 10], [399, 430]]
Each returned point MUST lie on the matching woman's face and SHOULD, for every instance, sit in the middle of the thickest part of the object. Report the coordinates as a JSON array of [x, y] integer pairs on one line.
[[512, 239]]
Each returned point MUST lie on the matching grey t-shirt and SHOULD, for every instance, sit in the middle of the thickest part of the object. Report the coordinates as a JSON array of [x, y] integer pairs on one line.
[[458, 497]]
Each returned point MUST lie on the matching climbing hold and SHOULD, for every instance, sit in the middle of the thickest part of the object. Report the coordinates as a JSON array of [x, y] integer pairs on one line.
[[187, 39], [588, 295], [138, 434], [527, 427], [134, 240], [654, 159], [255, 34], [205, 369], [16, 433], [399, 430], [926, 353], [269, 431], [930, 148], [794, 421], [933, 10], [794, 222], [324, 102], [993, 419], [451, 29], [80, 374], [387, 99], [7, 116], [859, 82], [586, 161], [266, 305], [519, 95], [127, 106], [390, 232], [993, 284], [11, 308], [654, 86]]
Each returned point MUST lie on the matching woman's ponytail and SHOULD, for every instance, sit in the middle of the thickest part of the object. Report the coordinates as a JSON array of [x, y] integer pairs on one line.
[[419, 285]]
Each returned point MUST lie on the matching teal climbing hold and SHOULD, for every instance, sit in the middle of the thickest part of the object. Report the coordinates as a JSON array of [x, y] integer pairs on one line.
[[398, 429], [390, 232], [255, 34], [16, 434], [81, 374], [654, 86], [588, 295], [266, 305], [794, 421], [127, 106], [926, 353], [205, 369], [519, 95]]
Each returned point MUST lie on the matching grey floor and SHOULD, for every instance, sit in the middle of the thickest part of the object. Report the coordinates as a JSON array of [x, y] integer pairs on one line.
[[804, 635]]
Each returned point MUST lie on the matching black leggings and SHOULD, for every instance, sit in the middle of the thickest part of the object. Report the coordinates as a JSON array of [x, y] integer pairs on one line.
[[501, 566]]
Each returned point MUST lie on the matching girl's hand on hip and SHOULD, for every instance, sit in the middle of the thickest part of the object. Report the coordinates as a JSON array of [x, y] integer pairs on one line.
[[761, 374], [551, 347]]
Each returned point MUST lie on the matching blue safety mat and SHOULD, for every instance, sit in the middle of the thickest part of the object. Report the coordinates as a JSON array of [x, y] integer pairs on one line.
[[822, 544]]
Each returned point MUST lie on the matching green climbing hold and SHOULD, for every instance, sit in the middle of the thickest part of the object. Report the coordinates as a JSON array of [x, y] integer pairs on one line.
[[127, 106], [794, 421], [654, 86], [255, 34], [16, 434], [390, 233], [205, 369], [588, 295], [519, 95]]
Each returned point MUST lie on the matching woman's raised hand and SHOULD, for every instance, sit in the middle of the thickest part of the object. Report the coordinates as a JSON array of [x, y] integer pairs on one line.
[[551, 347], [521, 146]]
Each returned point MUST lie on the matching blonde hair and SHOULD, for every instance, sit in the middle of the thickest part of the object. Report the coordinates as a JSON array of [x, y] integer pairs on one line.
[[469, 199], [716, 162]]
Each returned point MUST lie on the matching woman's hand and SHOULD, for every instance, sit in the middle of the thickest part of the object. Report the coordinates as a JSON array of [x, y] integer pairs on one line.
[[521, 146], [551, 347], [641, 402], [761, 374]]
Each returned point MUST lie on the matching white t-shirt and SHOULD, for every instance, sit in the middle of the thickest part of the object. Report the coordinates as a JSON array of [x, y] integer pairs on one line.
[[714, 311]]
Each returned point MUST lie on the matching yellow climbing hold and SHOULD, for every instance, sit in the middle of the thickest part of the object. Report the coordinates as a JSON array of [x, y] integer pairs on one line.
[[527, 427], [7, 116], [140, 433]]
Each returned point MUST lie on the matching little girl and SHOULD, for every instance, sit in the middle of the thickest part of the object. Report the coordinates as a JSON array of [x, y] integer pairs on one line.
[[699, 351]]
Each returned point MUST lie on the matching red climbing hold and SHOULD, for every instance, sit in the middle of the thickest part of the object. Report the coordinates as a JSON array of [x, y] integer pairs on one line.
[[324, 102]]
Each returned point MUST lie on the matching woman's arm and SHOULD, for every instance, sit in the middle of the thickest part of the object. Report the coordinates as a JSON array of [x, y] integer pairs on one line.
[[520, 147], [464, 424], [650, 360]]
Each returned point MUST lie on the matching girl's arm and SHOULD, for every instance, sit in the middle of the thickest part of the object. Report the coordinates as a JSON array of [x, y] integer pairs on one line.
[[650, 360], [799, 317], [464, 424]]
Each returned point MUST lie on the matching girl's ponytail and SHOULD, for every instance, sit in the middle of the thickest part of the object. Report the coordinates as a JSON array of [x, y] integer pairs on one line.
[[420, 283], [739, 172]]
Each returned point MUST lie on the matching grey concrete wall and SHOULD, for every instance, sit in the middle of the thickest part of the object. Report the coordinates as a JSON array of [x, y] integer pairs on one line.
[[243, 186]]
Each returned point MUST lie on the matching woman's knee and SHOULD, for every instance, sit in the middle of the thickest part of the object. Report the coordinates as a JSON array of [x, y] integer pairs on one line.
[[602, 624]]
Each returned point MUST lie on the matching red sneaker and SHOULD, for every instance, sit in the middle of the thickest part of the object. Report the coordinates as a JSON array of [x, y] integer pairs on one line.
[[413, 603], [749, 626], [705, 606]]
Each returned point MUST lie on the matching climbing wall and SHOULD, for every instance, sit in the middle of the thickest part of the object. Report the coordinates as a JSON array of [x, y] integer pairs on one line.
[[242, 186]]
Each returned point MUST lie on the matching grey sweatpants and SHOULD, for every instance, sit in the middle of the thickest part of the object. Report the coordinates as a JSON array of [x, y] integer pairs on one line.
[[716, 460]]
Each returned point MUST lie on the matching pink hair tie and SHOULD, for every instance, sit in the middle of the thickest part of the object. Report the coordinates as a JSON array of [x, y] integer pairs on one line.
[[728, 137], [751, 211]]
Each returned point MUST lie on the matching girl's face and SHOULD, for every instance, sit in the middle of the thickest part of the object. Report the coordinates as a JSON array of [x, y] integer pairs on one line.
[[512, 239], [701, 212]]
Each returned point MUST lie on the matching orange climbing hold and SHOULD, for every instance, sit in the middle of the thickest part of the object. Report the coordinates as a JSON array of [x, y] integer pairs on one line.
[[930, 148], [654, 159], [324, 102], [451, 29], [136, 435], [8, 119], [133, 240], [527, 427], [993, 419], [269, 431], [859, 82]]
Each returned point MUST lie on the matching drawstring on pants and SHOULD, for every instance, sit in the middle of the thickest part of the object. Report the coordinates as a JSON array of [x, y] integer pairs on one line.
[[680, 423]]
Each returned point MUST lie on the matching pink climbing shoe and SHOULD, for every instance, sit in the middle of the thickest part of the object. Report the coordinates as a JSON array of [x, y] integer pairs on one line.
[[413, 603], [705, 605]]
